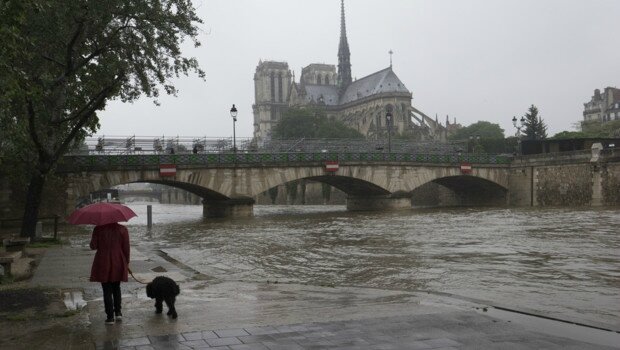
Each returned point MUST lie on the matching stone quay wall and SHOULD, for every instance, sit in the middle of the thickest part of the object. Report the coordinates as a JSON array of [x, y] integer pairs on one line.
[[583, 182]]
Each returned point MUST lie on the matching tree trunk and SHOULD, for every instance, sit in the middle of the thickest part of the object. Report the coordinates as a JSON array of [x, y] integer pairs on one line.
[[33, 202]]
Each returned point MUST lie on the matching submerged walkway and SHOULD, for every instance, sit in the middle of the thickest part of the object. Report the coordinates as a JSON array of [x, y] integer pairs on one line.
[[238, 315]]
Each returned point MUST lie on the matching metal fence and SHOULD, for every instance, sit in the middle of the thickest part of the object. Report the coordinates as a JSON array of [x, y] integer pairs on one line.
[[354, 145], [48, 223], [201, 144], [578, 155], [74, 163], [161, 145]]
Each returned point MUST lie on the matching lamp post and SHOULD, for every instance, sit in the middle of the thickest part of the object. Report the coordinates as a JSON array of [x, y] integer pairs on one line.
[[518, 127], [388, 119], [474, 142], [233, 114]]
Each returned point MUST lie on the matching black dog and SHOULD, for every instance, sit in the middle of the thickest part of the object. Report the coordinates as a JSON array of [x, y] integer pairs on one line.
[[163, 289]]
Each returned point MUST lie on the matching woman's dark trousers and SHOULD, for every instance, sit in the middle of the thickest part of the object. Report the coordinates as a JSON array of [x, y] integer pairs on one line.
[[112, 298]]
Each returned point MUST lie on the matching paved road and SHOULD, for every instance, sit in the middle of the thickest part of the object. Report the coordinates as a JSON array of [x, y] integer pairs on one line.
[[239, 315]]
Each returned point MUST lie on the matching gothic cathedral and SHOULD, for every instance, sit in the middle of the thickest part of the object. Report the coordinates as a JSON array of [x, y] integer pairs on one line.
[[361, 104]]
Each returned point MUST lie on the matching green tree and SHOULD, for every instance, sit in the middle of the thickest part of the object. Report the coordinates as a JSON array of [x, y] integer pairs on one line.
[[482, 129], [62, 61], [595, 128], [569, 135], [535, 127], [311, 123]]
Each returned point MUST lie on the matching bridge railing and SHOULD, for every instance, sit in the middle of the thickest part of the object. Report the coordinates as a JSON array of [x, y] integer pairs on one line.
[[568, 156], [75, 163], [107, 145]]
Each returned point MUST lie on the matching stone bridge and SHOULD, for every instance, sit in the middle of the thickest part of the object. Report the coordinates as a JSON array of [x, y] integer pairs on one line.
[[228, 183]]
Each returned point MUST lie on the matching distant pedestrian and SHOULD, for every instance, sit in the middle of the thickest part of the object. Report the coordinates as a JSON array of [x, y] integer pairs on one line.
[[110, 266]]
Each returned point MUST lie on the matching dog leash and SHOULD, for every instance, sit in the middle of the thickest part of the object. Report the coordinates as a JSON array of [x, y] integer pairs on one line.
[[134, 277]]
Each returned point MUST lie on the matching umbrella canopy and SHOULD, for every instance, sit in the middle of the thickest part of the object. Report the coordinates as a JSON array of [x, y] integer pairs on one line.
[[101, 214]]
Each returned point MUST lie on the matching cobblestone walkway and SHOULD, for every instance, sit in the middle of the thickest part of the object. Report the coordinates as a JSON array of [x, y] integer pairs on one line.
[[282, 317], [456, 330]]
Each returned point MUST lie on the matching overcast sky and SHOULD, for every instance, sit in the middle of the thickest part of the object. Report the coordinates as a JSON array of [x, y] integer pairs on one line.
[[469, 59]]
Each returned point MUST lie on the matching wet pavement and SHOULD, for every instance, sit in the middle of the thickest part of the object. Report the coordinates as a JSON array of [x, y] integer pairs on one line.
[[240, 315]]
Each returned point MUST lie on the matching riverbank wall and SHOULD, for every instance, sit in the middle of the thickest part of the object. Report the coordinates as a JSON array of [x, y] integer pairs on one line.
[[542, 182]]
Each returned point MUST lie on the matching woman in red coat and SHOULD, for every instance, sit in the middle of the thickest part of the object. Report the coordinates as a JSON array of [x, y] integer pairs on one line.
[[111, 242]]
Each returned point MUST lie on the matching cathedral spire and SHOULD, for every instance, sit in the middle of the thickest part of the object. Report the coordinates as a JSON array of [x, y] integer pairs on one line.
[[344, 55]]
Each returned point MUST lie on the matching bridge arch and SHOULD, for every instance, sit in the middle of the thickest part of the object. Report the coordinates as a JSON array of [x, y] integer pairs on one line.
[[372, 186], [203, 192], [460, 190], [348, 185]]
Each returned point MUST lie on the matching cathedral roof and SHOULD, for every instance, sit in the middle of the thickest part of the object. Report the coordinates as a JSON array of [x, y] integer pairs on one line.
[[328, 93], [382, 81]]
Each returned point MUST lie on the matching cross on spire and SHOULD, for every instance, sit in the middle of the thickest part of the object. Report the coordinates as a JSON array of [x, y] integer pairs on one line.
[[391, 53]]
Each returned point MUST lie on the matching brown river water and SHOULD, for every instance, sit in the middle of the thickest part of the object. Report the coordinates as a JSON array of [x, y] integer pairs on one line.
[[562, 263]]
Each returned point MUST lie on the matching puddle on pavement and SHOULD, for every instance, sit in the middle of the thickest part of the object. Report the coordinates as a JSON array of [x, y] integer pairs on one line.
[[555, 327]]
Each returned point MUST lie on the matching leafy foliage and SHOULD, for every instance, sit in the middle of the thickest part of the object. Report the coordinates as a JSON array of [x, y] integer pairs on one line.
[[61, 61], [563, 135], [311, 123], [592, 129], [535, 127], [598, 129], [482, 129]]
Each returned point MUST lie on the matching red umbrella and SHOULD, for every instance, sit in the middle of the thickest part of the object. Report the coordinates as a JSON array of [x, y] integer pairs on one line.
[[101, 214]]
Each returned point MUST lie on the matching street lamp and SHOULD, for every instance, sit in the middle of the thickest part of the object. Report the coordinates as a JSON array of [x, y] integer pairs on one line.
[[233, 114], [473, 144], [388, 119], [518, 127]]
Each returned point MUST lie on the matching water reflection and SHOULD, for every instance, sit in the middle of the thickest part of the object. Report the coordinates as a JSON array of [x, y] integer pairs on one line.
[[559, 261]]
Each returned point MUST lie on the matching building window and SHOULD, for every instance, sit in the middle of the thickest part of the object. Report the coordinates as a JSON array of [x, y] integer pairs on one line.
[[318, 79], [327, 80], [280, 99], [273, 87]]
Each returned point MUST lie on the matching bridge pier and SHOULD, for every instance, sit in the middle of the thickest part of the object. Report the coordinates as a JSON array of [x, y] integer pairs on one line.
[[377, 203], [234, 207]]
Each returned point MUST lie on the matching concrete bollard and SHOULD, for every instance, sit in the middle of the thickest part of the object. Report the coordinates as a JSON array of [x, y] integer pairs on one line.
[[149, 216]]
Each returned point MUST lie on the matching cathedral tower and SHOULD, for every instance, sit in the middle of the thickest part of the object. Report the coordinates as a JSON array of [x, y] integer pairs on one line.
[[344, 55], [272, 82]]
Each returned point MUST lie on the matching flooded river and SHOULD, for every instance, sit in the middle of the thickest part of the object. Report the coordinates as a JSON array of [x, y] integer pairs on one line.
[[563, 263]]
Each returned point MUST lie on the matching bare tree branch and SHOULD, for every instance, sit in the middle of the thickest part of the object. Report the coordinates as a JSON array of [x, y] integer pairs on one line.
[[85, 114], [53, 60]]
